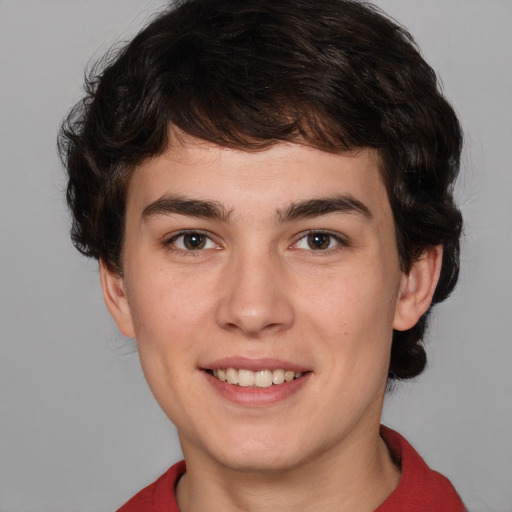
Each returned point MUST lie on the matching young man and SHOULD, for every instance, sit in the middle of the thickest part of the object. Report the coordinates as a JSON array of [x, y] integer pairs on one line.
[[267, 185]]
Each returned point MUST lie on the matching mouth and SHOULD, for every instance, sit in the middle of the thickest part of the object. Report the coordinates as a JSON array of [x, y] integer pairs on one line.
[[256, 383], [256, 379]]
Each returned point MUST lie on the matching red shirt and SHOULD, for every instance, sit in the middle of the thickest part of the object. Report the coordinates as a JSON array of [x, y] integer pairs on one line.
[[420, 489]]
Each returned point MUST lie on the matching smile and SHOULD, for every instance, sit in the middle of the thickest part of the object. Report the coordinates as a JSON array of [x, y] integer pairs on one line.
[[259, 379]]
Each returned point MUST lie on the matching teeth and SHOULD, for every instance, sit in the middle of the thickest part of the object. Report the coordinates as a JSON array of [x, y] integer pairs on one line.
[[289, 375], [278, 376], [232, 376], [245, 378], [263, 379], [260, 379]]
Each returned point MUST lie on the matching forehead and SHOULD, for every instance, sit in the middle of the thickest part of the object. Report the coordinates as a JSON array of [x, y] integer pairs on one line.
[[283, 173]]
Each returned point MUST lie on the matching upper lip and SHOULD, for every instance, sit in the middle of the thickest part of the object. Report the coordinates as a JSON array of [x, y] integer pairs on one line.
[[254, 364]]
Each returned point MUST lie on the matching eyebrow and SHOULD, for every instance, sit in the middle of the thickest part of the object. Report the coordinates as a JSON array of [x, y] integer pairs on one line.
[[323, 206], [214, 210], [168, 205]]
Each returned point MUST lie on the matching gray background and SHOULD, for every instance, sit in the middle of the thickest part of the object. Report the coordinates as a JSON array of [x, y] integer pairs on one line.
[[79, 431]]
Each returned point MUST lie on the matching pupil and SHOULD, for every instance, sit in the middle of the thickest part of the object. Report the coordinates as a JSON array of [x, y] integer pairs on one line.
[[194, 241], [319, 241]]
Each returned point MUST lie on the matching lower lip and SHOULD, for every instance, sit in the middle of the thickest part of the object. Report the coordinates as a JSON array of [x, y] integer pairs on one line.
[[254, 396]]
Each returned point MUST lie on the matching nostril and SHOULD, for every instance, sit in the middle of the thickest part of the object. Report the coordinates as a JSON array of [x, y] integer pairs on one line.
[[253, 309]]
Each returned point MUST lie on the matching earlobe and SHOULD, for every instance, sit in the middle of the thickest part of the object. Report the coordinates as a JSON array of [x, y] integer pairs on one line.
[[417, 288], [114, 293]]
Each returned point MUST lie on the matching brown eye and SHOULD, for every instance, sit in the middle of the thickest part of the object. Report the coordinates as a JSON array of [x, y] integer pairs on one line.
[[319, 241], [194, 241]]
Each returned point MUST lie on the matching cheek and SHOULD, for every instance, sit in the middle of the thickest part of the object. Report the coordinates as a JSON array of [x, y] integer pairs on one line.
[[166, 302], [166, 314], [354, 317], [352, 299]]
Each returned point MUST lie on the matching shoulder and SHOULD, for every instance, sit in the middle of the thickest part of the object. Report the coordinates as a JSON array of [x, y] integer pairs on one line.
[[158, 496], [420, 489]]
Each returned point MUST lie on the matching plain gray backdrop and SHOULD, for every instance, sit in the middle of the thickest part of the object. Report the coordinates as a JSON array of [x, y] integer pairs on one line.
[[79, 430]]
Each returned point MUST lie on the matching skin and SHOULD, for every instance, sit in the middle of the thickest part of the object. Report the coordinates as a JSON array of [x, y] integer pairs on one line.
[[258, 288]]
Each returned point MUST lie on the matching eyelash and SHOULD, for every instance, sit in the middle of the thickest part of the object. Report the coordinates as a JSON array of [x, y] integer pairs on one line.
[[207, 239], [171, 242], [340, 242]]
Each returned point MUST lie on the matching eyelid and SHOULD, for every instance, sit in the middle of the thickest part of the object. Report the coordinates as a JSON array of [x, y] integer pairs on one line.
[[341, 241], [169, 241]]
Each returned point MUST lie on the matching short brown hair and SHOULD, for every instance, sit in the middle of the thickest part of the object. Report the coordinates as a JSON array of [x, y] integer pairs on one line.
[[333, 74]]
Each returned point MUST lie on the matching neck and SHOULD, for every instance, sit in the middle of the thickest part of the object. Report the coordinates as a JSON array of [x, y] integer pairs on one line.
[[356, 476]]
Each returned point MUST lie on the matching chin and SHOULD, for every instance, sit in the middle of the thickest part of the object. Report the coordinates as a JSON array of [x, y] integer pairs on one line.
[[260, 462], [268, 453]]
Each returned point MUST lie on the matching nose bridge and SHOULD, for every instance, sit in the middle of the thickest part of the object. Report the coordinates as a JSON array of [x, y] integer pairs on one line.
[[253, 295]]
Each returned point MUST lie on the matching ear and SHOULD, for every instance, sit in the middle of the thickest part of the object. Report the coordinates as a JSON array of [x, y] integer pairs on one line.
[[114, 293], [417, 288]]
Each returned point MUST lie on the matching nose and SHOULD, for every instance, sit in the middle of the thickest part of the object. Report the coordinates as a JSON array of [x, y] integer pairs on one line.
[[255, 296]]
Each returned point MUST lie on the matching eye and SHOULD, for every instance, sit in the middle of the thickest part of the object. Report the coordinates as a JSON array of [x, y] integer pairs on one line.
[[319, 241], [192, 241]]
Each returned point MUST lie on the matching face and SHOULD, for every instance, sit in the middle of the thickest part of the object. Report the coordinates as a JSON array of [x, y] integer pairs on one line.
[[262, 289]]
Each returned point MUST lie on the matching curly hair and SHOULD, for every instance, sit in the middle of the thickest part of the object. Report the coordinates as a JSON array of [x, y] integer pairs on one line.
[[332, 74]]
